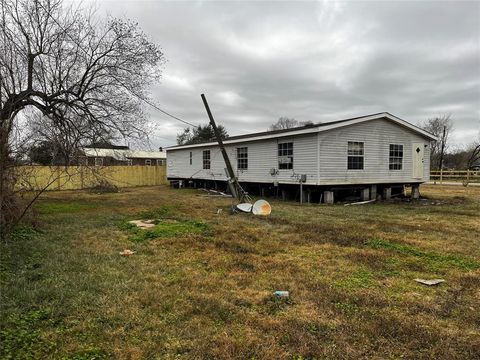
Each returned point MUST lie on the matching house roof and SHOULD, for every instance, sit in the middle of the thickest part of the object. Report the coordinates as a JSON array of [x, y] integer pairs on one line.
[[313, 128], [124, 155], [107, 145]]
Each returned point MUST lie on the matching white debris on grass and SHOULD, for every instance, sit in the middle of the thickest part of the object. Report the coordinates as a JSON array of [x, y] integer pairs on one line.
[[143, 224], [126, 252], [429, 282], [245, 207]]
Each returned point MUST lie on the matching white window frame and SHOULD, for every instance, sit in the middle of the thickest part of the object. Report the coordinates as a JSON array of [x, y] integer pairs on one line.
[[206, 162], [242, 158], [98, 161], [283, 155], [129, 162], [160, 162], [397, 156], [148, 162], [355, 154]]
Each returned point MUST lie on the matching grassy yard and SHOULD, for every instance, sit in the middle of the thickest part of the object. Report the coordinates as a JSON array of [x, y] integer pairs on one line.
[[200, 284]]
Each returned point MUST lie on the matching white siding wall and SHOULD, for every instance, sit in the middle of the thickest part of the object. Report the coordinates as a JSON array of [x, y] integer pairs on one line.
[[262, 156], [329, 167], [377, 136]]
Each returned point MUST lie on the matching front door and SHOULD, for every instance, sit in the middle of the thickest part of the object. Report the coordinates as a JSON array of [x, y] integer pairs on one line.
[[418, 151]]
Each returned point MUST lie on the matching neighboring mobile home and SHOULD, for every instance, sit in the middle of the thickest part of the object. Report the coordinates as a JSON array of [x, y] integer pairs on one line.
[[374, 152]]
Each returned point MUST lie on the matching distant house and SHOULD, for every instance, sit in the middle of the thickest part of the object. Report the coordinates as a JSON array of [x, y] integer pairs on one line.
[[114, 155], [374, 153]]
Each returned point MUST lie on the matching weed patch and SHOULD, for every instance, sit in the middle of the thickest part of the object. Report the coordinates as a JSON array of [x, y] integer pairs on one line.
[[92, 353], [156, 213], [22, 233], [165, 228], [273, 305], [50, 208], [104, 187], [435, 260], [20, 335], [359, 279], [166, 225], [347, 308]]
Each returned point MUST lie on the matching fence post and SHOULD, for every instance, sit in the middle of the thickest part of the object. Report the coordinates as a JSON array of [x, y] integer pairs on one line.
[[81, 177], [59, 183]]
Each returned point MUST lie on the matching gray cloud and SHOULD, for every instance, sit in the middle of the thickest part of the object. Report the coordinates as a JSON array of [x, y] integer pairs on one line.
[[318, 61]]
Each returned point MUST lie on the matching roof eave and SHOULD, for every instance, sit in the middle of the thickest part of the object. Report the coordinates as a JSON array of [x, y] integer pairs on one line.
[[314, 129]]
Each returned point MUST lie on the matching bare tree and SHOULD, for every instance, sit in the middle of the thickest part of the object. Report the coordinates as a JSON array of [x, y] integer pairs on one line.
[[474, 154], [288, 123], [82, 75], [436, 126]]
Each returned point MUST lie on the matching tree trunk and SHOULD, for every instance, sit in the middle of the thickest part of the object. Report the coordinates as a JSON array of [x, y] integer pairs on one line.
[[6, 178]]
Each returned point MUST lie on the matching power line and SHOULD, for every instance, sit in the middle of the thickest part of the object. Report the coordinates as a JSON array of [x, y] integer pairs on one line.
[[125, 87], [161, 110]]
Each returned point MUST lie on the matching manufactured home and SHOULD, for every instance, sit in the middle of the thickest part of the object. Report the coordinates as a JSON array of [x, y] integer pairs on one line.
[[372, 154]]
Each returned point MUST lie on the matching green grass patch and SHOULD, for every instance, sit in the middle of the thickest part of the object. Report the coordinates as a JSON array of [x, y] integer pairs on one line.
[[347, 308], [22, 232], [91, 353], [166, 224], [50, 208], [20, 335], [362, 278], [433, 260], [165, 228]]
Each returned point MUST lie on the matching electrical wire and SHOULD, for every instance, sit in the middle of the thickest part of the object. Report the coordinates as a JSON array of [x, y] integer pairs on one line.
[[161, 110]]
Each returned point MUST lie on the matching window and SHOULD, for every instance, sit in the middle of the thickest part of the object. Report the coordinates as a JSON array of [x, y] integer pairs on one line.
[[355, 155], [160, 162], [129, 162], [396, 157], [98, 161], [191, 156], [242, 158], [148, 162], [285, 155], [206, 159]]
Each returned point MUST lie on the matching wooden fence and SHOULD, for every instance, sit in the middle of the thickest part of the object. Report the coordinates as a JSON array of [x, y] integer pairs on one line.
[[464, 176], [83, 177]]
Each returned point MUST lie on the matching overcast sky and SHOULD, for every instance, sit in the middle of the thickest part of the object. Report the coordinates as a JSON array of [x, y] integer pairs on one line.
[[314, 60]]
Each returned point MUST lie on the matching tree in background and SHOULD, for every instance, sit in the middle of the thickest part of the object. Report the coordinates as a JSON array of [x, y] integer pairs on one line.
[[81, 75], [200, 134], [463, 157], [474, 154], [435, 126], [42, 153], [288, 123]]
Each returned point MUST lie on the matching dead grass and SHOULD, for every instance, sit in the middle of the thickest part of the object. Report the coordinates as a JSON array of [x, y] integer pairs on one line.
[[207, 293]]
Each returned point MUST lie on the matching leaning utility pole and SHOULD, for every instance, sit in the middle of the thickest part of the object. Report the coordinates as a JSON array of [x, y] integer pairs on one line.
[[233, 182]]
